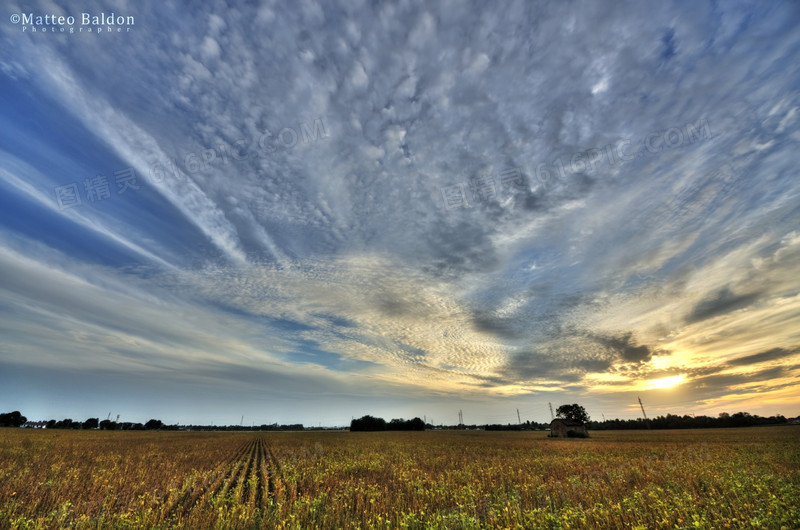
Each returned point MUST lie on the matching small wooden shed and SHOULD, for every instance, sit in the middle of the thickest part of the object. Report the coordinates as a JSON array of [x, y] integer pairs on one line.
[[561, 428]]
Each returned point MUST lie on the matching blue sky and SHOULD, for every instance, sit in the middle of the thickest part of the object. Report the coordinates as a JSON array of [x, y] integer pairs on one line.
[[309, 211]]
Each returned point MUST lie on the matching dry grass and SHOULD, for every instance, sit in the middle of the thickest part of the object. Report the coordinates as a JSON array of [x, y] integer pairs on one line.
[[723, 478]]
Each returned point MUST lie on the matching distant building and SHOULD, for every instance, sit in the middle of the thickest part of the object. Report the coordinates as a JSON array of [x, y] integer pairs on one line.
[[562, 428], [35, 425]]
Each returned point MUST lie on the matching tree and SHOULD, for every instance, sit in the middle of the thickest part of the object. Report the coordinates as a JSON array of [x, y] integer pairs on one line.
[[91, 423], [573, 412], [405, 425], [153, 425], [368, 423], [416, 424], [108, 425], [12, 419]]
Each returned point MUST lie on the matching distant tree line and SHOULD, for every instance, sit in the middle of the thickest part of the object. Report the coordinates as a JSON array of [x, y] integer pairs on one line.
[[265, 427], [526, 426], [673, 421], [16, 419], [370, 423], [108, 425], [158, 425]]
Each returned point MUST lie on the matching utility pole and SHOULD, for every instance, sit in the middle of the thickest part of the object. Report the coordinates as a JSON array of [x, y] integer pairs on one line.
[[552, 416], [518, 419], [647, 421]]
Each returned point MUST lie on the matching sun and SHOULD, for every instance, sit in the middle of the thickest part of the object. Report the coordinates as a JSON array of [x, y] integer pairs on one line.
[[666, 382]]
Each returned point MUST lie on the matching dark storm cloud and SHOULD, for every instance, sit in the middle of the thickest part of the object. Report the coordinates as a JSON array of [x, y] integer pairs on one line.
[[723, 382], [569, 362], [493, 325], [624, 347], [720, 303], [462, 247], [534, 366], [774, 354]]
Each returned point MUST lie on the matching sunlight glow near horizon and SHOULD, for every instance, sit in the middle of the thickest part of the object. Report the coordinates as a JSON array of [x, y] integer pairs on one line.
[[666, 382]]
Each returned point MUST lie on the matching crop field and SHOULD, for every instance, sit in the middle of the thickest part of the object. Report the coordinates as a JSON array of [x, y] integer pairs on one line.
[[720, 478]]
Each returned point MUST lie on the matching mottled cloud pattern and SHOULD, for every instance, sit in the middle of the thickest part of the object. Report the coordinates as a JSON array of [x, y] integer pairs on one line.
[[313, 210]]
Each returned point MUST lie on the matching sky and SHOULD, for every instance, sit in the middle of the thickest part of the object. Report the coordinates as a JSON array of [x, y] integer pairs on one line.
[[304, 212]]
